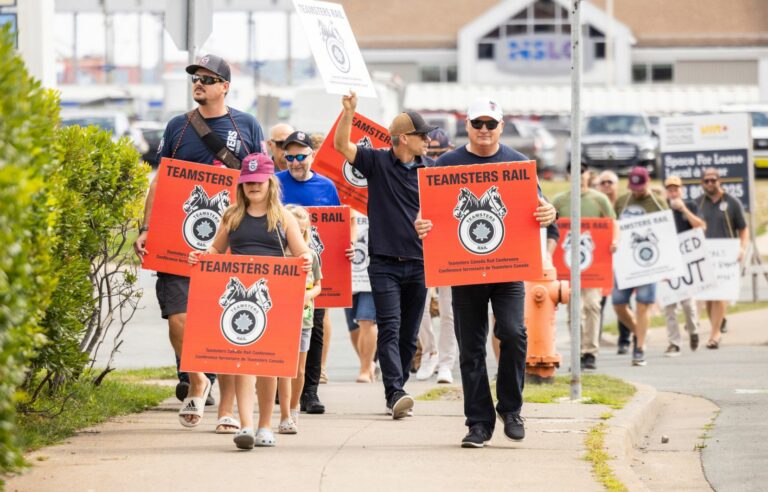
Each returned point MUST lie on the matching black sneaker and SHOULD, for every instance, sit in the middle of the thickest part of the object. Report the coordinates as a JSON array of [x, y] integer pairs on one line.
[[623, 348], [477, 436], [399, 404], [672, 351], [694, 342], [513, 425], [638, 358], [588, 362], [724, 326], [310, 403]]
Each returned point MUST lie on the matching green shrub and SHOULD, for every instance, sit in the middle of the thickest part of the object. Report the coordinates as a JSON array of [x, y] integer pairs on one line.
[[28, 116]]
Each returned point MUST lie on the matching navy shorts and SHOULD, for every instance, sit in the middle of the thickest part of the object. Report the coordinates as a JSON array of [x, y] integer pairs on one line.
[[172, 293], [362, 309]]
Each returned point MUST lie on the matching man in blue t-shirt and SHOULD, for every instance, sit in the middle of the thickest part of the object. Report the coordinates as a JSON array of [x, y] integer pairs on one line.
[[302, 186], [485, 122], [242, 135]]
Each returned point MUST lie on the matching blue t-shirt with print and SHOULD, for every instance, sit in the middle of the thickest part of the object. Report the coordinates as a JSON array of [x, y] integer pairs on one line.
[[191, 148], [317, 191]]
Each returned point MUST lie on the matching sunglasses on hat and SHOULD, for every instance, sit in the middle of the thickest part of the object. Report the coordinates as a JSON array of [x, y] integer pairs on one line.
[[297, 157], [206, 79], [489, 124]]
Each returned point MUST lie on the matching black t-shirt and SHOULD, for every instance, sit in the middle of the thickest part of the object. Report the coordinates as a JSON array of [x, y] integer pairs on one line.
[[393, 202], [681, 223], [724, 218], [192, 147]]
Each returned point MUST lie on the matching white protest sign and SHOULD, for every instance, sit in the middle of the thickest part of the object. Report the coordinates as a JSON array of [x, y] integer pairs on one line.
[[360, 280], [724, 256], [647, 251], [698, 275], [334, 48]]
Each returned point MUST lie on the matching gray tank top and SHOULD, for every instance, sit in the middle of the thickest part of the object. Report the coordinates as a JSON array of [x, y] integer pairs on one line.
[[252, 238]]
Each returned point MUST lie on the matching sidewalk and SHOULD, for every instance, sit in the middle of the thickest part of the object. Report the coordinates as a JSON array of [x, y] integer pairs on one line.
[[353, 447]]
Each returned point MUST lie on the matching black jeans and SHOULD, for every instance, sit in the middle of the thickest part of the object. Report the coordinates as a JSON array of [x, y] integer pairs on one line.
[[315, 354], [399, 294], [470, 317]]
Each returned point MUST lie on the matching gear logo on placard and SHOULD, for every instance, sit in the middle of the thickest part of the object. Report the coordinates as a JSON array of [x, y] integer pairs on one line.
[[203, 217], [352, 175], [334, 45], [316, 244], [481, 225], [360, 260], [645, 250], [244, 319], [587, 246]]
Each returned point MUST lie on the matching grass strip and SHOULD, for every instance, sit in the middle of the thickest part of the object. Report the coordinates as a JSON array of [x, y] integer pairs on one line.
[[596, 454]]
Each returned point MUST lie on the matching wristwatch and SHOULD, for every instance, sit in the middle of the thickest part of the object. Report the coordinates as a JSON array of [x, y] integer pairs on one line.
[[143, 228]]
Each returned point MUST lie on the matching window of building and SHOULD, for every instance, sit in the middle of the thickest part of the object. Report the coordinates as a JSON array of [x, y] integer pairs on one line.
[[434, 73], [639, 73], [661, 73], [451, 73], [485, 51], [644, 73], [430, 74]]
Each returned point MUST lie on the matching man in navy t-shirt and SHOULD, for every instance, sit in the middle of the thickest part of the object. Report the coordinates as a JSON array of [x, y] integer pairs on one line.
[[302, 186], [485, 122], [242, 135]]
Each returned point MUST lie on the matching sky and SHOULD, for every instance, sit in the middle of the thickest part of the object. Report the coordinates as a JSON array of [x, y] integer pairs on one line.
[[228, 39]]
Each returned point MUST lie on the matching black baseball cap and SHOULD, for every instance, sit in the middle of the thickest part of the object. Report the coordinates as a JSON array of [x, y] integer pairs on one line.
[[215, 64], [298, 137], [409, 122]]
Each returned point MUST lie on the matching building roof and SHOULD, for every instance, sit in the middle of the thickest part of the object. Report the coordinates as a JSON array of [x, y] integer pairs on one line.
[[655, 23]]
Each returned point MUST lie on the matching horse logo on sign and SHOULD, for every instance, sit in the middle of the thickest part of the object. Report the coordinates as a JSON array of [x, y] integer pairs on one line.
[[587, 246], [203, 216], [481, 225], [316, 244], [645, 251], [244, 319], [352, 175], [335, 46]]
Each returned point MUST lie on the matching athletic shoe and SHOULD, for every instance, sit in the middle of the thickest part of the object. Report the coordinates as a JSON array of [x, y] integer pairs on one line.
[[638, 358], [310, 403], [444, 376], [477, 436], [513, 425], [623, 348], [694, 342], [588, 362], [672, 351], [427, 367], [399, 404]]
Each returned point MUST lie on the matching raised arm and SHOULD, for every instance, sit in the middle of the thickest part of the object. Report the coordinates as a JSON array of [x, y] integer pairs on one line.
[[341, 140]]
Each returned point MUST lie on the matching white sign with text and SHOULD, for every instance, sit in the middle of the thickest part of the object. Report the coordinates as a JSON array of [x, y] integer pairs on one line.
[[360, 280], [698, 273], [724, 256]]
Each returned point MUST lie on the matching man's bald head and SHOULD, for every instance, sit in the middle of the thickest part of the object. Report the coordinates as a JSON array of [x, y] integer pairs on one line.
[[277, 135]]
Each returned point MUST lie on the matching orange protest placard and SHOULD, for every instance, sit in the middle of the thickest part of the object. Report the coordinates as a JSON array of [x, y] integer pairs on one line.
[[329, 238], [596, 256], [190, 200], [244, 315], [352, 186], [483, 228]]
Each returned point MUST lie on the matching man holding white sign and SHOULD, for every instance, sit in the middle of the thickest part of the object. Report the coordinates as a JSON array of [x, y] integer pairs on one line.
[[637, 248], [685, 220]]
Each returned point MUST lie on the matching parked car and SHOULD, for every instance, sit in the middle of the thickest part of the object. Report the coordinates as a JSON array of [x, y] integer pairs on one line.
[[619, 142], [115, 122], [759, 116], [152, 131]]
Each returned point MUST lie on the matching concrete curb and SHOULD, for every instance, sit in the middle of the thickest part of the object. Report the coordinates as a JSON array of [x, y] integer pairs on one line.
[[626, 430]]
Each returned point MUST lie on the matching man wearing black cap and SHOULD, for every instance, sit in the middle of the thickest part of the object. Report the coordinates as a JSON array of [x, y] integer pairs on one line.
[[396, 266], [238, 134], [302, 186]]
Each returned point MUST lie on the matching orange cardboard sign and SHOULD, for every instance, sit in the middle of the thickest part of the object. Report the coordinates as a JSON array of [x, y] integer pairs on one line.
[[329, 238], [483, 228], [190, 200], [351, 184], [596, 256], [244, 315]]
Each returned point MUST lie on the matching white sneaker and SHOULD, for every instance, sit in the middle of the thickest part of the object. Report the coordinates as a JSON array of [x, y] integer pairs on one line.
[[444, 375], [427, 367]]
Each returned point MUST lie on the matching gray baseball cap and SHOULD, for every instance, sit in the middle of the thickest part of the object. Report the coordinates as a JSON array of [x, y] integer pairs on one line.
[[215, 64]]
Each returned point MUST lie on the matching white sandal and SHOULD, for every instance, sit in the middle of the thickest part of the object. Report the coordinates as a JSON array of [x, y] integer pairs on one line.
[[288, 426], [244, 438], [265, 438], [227, 423], [194, 406]]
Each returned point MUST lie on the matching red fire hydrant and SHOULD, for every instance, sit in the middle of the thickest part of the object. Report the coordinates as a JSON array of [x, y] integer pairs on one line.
[[541, 300]]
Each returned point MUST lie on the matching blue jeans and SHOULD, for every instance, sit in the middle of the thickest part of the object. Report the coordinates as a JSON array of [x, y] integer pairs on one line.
[[399, 294], [470, 317]]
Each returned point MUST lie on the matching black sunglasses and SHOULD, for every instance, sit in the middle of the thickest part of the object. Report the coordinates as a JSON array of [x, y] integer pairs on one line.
[[489, 124], [709, 180], [297, 157], [206, 79]]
